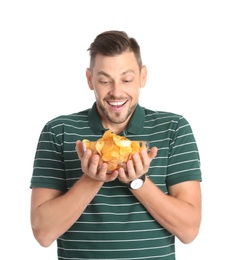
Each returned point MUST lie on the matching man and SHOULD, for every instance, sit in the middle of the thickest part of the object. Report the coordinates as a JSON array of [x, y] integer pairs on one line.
[[95, 215]]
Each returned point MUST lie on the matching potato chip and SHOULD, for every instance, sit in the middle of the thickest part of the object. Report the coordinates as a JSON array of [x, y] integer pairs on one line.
[[114, 150]]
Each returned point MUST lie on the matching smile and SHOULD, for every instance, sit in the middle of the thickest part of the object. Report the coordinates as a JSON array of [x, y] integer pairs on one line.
[[117, 103]]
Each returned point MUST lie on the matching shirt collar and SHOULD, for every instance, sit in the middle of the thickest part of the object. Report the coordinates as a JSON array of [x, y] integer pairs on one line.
[[135, 125]]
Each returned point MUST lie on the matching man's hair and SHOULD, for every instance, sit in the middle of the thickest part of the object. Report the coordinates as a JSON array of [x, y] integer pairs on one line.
[[111, 43]]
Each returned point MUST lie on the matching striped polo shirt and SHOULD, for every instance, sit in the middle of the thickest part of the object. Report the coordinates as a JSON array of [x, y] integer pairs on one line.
[[115, 225]]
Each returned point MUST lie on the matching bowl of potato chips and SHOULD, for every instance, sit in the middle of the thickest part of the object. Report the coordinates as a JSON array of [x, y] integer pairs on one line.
[[114, 150]]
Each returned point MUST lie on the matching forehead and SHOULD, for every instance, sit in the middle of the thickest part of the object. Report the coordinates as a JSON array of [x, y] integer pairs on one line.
[[122, 62]]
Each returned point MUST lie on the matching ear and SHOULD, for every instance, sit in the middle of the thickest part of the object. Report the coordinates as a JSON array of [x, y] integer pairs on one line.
[[143, 75], [89, 78]]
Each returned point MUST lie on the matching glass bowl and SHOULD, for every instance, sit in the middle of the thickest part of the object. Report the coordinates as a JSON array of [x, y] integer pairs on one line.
[[115, 153]]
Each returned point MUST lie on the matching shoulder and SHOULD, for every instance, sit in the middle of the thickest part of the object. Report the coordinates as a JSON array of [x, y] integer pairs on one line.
[[60, 123], [163, 116], [162, 121], [69, 118], [160, 114]]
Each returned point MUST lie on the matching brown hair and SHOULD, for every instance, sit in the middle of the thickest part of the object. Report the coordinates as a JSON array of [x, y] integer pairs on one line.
[[111, 43]]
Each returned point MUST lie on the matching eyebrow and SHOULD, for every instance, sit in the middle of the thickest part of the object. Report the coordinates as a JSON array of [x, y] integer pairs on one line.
[[123, 73]]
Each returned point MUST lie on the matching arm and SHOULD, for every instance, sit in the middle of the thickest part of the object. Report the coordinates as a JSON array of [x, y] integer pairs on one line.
[[179, 212], [53, 213]]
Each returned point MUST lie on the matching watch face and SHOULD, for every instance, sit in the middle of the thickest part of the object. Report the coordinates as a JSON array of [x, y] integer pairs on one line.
[[136, 184]]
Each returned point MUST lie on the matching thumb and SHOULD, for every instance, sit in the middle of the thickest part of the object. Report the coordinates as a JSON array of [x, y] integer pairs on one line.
[[79, 148], [153, 153]]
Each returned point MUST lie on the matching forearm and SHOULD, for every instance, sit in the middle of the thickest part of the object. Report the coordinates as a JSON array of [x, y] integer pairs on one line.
[[178, 216], [55, 216]]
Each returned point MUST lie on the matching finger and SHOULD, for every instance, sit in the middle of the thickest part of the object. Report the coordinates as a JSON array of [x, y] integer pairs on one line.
[[79, 148], [111, 176], [139, 162], [130, 173], [93, 166], [153, 153], [104, 176], [147, 158], [122, 175], [85, 159]]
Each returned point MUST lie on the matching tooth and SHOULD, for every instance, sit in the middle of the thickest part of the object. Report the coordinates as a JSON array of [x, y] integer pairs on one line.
[[117, 103]]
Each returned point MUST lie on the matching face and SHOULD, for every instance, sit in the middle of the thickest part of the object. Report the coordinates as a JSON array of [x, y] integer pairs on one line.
[[116, 82]]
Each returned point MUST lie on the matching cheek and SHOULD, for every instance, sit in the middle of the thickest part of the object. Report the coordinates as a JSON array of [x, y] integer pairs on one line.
[[135, 91], [98, 92]]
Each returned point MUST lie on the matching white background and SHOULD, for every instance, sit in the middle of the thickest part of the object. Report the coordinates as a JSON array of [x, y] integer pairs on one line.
[[189, 48]]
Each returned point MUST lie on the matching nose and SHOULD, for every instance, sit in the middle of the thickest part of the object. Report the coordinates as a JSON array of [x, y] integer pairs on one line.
[[116, 89]]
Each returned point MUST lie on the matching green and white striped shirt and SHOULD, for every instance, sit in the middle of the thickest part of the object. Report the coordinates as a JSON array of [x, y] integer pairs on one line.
[[115, 225]]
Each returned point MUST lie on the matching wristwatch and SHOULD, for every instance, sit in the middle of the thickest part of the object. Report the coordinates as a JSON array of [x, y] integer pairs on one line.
[[137, 183]]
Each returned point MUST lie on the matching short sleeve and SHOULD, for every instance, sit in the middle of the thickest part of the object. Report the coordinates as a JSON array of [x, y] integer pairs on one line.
[[184, 159], [48, 170]]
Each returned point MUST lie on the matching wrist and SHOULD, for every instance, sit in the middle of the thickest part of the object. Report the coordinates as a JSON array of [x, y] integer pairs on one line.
[[91, 181], [137, 183]]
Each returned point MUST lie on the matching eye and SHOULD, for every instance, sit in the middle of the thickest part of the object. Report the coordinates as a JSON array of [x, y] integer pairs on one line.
[[104, 82], [127, 80]]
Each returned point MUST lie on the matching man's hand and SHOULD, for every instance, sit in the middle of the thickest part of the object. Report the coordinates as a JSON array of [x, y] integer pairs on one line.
[[89, 165], [137, 166]]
